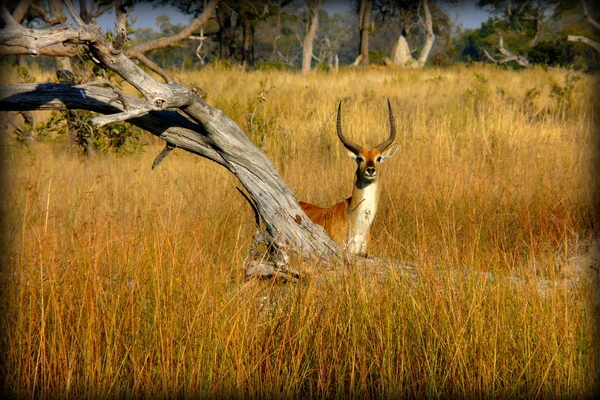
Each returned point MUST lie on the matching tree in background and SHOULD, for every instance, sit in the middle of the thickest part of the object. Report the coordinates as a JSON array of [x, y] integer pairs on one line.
[[277, 33], [138, 51], [236, 25], [527, 33], [278, 37], [365, 27], [314, 6], [522, 24], [281, 37], [419, 23]]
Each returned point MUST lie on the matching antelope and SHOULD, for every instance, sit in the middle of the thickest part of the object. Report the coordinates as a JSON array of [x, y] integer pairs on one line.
[[348, 223]]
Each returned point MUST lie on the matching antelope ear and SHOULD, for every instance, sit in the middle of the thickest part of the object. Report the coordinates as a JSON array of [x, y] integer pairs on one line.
[[351, 154], [389, 153]]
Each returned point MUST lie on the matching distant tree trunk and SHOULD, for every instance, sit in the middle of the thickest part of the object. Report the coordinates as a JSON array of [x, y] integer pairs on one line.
[[314, 7], [248, 51], [365, 27], [225, 34], [429, 37]]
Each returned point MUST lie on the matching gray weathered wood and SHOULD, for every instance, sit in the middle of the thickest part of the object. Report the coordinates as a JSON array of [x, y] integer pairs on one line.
[[218, 138], [206, 131]]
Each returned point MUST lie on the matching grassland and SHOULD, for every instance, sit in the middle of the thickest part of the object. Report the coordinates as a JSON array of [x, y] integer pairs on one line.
[[119, 281]]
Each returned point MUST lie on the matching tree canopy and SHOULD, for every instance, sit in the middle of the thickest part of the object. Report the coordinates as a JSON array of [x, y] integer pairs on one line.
[[271, 34]]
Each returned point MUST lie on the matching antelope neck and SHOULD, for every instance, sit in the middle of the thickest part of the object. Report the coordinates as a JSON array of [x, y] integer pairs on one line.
[[364, 199]]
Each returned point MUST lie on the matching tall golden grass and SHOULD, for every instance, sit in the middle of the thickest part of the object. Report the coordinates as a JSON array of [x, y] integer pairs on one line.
[[119, 281]]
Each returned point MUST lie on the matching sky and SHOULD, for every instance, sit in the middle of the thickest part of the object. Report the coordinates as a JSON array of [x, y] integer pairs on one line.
[[465, 12]]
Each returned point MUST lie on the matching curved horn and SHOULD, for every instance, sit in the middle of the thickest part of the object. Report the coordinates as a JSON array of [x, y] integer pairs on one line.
[[385, 144], [353, 147]]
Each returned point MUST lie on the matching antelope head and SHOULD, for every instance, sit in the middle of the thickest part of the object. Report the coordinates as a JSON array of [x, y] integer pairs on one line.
[[368, 160]]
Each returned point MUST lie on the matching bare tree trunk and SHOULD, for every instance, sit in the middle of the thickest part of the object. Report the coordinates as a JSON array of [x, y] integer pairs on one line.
[[314, 7], [225, 33], [365, 26], [248, 52], [429, 38], [541, 24]]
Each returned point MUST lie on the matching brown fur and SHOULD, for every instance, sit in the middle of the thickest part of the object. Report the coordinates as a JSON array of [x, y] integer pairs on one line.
[[349, 222], [333, 219]]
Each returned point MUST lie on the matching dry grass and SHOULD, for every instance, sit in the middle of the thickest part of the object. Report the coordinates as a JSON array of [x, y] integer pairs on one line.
[[120, 281]]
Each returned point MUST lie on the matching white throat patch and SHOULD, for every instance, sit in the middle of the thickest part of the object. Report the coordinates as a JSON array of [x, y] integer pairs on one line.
[[361, 219]]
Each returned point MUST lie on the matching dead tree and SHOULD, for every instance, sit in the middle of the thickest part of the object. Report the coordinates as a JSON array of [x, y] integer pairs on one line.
[[508, 55], [202, 130]]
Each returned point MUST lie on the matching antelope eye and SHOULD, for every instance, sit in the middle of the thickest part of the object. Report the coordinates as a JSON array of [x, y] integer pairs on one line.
[[359, 159], [378, 158]]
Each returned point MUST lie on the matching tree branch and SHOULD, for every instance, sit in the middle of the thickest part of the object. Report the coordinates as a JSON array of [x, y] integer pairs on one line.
[[429, 39], [47, 18], [98, 11], [168, 125], [17, 40], [19, 12], [492, 59], [184, 34], [591, 20], [137, 52], [151, 64], [73, 13], [508, 56], [583, 39], [575, 38]]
